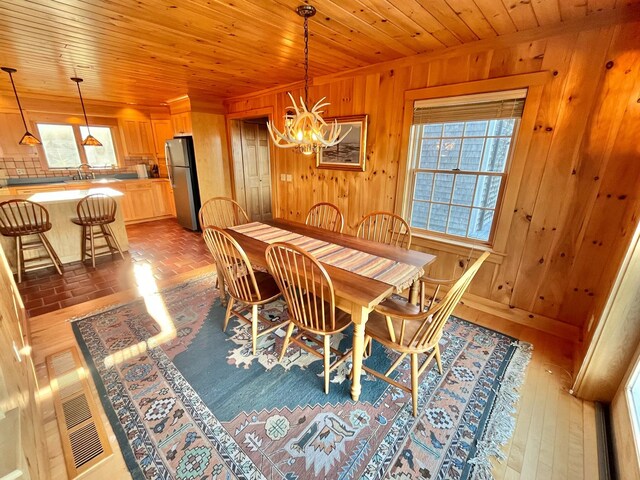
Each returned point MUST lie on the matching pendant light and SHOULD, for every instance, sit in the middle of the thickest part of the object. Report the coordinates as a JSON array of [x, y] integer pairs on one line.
[[90, 140], [28, 138], [304, 128]]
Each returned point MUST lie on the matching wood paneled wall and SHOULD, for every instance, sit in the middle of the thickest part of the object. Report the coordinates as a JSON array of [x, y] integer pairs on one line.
[[23, 446], [578, 202], [212, 155]]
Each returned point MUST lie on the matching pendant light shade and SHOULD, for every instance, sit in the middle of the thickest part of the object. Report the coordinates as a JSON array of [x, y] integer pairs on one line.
[[89, 140], [28, 138]]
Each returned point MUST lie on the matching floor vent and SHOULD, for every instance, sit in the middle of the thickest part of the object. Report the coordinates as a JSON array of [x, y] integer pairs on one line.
[[84, 440]]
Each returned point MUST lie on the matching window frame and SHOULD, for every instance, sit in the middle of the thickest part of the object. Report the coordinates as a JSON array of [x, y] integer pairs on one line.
[[413, 170], [534, 83], [76, 123]]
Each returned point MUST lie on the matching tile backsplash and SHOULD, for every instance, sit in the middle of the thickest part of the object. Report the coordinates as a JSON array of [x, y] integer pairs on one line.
[[32, 167]]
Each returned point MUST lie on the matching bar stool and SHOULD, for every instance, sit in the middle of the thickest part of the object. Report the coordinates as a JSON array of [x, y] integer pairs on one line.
[[21, 218], [97, 210]]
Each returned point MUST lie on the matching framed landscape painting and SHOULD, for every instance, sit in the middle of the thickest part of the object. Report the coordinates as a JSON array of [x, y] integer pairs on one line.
[[351, 152]]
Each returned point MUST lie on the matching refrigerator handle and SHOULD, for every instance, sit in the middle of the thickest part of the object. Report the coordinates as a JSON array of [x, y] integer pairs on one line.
[[167, 154]]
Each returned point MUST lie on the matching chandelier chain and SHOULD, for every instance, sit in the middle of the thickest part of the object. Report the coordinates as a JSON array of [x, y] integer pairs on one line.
[[304, 128], [306, 60]]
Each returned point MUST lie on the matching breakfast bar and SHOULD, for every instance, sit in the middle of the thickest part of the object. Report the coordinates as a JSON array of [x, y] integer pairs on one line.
[[65, 236]]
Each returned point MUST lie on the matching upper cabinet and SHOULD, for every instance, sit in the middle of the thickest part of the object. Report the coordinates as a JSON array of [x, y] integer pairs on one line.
[[138, 137], [182, 123], [11, 131], [162, 131]]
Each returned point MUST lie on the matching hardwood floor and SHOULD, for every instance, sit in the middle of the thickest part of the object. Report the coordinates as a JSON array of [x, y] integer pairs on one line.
[[554, 436], [163, 244]]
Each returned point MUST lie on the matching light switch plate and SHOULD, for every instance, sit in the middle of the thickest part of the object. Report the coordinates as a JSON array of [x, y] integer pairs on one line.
[[289, 177], [283, 177]]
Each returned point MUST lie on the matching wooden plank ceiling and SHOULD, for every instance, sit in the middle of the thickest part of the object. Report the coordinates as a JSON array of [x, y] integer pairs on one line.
[[150, 51]]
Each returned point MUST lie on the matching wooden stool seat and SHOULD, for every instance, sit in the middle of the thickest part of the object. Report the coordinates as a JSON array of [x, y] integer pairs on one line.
[[98, 210], [22, 218], [81, 222], [26, 230]]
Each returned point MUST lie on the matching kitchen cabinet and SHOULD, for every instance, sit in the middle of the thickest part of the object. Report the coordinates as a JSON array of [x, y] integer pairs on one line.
[[138, 137], [163, 203], [139, 204], [37, 188], [182, 123], [162, 131], [142, 201], [11, 131]]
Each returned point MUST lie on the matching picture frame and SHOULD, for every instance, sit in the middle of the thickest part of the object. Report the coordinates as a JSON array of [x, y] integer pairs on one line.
[[351, 152]]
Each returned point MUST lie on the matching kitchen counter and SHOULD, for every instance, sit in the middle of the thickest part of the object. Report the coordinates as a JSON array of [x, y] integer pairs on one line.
[[65, 236], [61, 196], [142, 200]]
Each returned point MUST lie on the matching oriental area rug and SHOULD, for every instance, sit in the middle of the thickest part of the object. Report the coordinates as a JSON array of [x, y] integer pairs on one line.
[[189, 401]]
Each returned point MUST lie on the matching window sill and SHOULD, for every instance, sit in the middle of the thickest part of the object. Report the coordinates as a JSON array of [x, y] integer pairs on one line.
[[456, 247]]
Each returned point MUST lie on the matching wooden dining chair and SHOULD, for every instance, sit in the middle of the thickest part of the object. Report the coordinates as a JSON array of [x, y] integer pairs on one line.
[[385, 227], [222, 212], [327, 216], [415, 331], [246, 287], [96, 213], [435, 284], [23, 218], [310, 296]]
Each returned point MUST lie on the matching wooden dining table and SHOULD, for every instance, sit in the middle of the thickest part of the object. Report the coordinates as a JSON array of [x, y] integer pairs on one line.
[[355, 294]]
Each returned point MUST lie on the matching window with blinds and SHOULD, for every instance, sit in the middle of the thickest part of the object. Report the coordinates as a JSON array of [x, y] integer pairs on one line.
[[459, 154]]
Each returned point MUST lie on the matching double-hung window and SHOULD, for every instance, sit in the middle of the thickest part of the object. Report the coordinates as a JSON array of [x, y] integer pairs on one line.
[[459, 159], [62, 144]]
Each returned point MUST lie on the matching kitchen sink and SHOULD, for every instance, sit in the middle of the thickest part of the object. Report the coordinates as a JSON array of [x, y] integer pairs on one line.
[[95, 180]]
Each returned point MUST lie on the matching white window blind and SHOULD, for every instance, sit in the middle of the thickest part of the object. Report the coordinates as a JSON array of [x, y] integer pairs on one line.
[[467, 108]]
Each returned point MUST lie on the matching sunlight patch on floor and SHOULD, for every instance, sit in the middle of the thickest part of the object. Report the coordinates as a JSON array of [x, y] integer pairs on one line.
[[157, 309]]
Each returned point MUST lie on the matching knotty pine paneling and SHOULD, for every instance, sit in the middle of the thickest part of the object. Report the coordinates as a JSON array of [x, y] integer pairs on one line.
[[578, 200]]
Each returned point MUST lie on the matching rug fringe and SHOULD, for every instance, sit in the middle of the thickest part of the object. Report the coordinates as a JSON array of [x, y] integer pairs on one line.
[[502, 423]]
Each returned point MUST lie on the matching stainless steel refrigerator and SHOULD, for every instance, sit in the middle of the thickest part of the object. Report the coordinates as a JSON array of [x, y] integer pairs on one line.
[[181, 166]]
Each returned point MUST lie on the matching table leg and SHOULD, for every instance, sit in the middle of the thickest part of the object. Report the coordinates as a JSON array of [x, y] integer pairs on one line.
[[359, 315], [221, 287], [414, 292]]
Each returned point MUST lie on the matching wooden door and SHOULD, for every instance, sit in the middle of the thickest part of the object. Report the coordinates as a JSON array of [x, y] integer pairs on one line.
[[256, 170]]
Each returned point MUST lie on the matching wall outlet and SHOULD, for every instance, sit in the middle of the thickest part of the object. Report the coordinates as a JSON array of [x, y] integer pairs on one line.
[[21, 171], [289, 177], [283, 177]]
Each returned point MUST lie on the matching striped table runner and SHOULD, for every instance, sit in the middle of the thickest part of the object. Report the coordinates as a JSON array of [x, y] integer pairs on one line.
[[399, 275]]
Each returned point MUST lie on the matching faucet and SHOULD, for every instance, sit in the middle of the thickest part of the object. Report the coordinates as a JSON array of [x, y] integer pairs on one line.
[[80, 175]]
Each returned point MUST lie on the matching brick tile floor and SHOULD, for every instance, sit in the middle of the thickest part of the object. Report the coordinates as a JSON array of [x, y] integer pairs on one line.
[[163, 244]]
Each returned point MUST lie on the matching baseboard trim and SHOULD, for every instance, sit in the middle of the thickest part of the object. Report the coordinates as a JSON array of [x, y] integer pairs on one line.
[[522, 317]]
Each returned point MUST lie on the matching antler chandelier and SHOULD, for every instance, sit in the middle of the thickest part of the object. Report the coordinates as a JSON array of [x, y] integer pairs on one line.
[[304, 128]]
